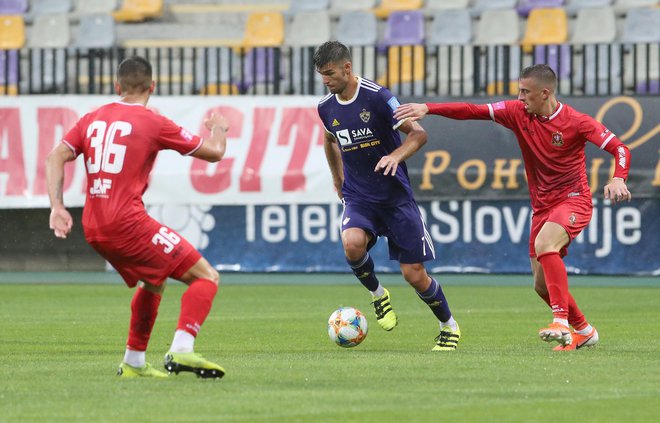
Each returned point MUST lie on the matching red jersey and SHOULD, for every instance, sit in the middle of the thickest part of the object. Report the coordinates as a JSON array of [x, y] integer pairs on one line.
[[119, 142], [552, 147]]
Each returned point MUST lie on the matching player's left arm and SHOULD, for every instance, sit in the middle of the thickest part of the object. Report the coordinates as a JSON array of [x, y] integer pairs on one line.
[[616, 190], [415, 139], [61, 221]]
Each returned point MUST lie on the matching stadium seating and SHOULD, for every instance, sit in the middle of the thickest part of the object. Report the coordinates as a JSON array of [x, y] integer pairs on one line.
[[86, 7], [596, 65], [50, 36], [8, 72], [641, 26], [431, 6], [95, 31], [307, 5], [622, 6], [358, 30], [12, 32], [13, 7], [448, 39], [339, 6], [498, 27], [481, 6], [264, 29], [526, 6], [307, 31], [574, 6], [138, 10], [40, 7], [386, 7]]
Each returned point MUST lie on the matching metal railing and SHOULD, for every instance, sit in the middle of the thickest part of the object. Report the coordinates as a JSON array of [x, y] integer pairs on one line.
[[454, 71]]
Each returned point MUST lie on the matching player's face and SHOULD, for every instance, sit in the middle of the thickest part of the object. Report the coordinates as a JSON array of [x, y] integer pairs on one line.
[[533, 95], [335, 76]]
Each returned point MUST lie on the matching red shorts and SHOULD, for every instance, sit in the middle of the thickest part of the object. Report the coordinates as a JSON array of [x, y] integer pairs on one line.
[[573, 214], [151, 252]]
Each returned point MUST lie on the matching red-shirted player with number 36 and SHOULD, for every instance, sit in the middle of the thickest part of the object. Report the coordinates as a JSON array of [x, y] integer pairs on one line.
[[119, 143], [552, 137]]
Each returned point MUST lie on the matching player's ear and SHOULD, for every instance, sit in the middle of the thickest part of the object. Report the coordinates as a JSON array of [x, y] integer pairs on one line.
[[117, 88], [152, 87]]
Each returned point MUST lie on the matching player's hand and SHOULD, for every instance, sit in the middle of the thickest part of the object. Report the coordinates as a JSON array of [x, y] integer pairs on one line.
[[411, 111], [216, 121], [61, 222], [388, 165], [617, 191]]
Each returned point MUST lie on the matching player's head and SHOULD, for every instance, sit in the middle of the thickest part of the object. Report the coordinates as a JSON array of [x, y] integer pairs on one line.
[[333, 61], [537, 87], [134, 76]]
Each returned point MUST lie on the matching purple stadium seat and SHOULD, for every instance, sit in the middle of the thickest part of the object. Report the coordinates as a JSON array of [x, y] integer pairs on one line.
[[259, 67], [13, 7], [525, 6], [557, 56], [653, 88], [8, 67], [404, 28]]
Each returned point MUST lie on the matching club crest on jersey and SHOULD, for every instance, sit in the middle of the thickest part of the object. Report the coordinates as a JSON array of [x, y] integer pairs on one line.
[[365, 116], [557, 139], [571, 219]]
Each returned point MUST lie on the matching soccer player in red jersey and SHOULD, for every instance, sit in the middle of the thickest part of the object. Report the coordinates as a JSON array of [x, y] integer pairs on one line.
[[119, 143], [552, 137]]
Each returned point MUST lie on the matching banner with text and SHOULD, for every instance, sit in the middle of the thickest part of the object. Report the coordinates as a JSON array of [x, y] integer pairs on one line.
[[275, 152], [469, 236]]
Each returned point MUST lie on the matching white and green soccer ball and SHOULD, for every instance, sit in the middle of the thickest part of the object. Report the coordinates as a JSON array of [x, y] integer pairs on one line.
[[347, 327]]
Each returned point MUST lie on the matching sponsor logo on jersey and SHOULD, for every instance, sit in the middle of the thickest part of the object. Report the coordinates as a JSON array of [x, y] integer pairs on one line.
[[365, 116], [557, 139], [335, 122], [100, 187], [346, 136], [571, 219], [622, 156], [186, 135]]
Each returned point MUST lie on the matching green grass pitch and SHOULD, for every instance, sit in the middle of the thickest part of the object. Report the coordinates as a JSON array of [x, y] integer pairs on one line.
[[61, 343]]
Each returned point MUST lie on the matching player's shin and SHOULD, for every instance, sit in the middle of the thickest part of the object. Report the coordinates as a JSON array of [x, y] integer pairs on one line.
[[557, 283], [437, 302], [196, 304], [144, 309], [364, 271]]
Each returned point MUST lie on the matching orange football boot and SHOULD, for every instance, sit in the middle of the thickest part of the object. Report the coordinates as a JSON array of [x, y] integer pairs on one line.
[[556, 332], [590, 340]]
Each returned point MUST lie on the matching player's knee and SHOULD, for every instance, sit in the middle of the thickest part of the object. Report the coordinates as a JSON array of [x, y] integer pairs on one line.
[[541, 246], [414, 273], [214, 276], [354, 251]]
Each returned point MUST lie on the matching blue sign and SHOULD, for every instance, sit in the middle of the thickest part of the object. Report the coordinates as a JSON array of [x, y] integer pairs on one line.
[[470, 236]]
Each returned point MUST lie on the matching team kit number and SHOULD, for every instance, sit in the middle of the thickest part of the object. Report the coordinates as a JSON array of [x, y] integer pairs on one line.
[[104, 154], [166, 238]]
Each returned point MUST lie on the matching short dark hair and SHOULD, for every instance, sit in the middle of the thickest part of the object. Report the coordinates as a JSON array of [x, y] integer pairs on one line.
[[542, 73], [331, 52], [134, 74]]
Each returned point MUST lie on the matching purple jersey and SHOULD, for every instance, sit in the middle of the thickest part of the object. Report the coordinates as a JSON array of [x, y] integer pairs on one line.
[[363, 128]]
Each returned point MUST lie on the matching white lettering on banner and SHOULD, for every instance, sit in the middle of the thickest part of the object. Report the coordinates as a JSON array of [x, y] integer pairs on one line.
[[628, 222], [287, 223], [451, 221]]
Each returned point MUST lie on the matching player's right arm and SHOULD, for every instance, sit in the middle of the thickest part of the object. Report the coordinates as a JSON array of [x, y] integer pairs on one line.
[[460, 111], [333, 155], [213, 148], [61, 221]]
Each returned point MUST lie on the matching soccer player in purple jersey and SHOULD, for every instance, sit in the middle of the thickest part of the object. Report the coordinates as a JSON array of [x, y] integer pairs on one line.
[[367, 162]]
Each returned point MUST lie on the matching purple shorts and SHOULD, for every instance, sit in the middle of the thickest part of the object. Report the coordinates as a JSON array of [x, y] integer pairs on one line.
[[407, 237]]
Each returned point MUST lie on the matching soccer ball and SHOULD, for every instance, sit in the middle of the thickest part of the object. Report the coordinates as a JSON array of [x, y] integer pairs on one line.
[[347, 326]]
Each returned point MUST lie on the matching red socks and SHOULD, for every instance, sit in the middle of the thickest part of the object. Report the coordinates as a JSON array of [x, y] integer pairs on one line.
[[556, 280], [144, 309], [196, 304], [575, 316]]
